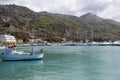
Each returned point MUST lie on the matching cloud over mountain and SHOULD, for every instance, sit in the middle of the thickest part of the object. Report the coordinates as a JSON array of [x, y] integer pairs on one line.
[[104, 8]]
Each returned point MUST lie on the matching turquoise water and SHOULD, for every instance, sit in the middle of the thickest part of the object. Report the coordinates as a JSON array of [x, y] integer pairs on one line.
[[66, 63]]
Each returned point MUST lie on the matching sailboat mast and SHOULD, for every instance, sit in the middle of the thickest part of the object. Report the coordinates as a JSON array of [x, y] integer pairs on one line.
[[92, 34], [77, 36]]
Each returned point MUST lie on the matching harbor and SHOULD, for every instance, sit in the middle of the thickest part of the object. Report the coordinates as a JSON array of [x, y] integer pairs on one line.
[[59, 40], [66, 62]]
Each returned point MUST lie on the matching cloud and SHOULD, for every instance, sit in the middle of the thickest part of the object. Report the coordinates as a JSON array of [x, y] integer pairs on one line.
[[95, 5], [104, 8], [112, 11]]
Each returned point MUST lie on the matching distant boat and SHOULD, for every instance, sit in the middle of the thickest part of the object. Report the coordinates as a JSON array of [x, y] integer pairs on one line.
[[10, 55]]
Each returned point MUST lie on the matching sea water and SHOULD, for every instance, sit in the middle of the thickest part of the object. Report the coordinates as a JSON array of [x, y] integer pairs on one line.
[[66, 63]]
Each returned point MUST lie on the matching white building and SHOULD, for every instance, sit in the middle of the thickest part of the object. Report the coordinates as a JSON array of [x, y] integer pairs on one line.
[[20, 40], [7, 39]]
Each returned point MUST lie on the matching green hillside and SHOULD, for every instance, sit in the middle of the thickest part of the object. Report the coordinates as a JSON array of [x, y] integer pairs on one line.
[[21, 21]]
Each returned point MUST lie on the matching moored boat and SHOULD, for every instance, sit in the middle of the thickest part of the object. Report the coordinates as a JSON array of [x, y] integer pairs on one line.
[[12, 55]]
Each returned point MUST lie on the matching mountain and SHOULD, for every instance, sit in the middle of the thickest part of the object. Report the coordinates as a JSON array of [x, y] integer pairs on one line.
[[105, 28], [21, 21], [92, 18]]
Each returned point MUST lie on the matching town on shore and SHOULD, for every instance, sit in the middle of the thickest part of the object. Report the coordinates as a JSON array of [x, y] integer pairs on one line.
[[9, 39]]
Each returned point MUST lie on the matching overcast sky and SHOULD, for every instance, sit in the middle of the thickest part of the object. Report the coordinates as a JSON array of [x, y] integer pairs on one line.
[[104, 8]]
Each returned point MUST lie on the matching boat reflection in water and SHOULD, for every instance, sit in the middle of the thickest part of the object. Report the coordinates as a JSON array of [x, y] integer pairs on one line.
[[12, 69]]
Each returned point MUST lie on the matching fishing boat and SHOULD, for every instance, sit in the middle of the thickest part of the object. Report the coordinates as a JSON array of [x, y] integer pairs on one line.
[[10, 54]]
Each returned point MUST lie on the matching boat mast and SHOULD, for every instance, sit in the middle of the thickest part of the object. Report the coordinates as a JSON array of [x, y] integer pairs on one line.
[[77, 37], [92, 34], [28, 22], [33, 41]]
